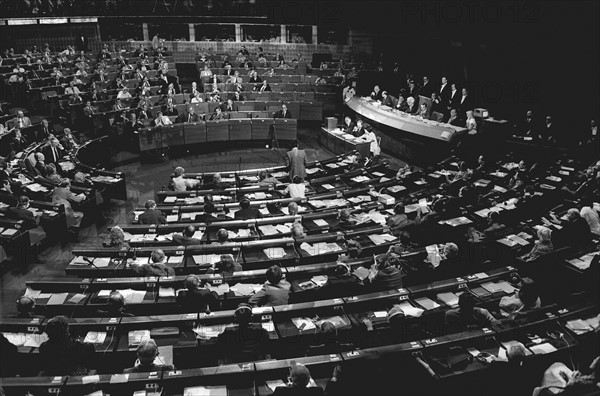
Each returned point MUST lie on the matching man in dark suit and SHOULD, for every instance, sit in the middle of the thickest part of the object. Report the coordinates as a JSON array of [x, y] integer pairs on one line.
[[454, 119], [387, 100], [348, 126], [237, 96], [529, 126], [284, 112], [548, 132], [265, 87], [6, 194], [444, 92], [246, 212], [170, 109], [22, 212], [296, 161], [217, 115], [227, 106], [151, 215], [427, 87], [465, 103], [132, 126], [255, 79], [53, 151], [187, 237], [454, 98], [81, 43], [18, 143], [44, 130], [188, 116], [144, 113]]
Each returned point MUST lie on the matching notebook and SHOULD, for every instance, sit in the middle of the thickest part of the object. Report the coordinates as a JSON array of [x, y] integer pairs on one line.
[[427, 303]]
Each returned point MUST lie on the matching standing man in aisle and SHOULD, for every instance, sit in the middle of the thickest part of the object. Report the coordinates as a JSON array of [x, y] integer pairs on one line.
[[296, 161]]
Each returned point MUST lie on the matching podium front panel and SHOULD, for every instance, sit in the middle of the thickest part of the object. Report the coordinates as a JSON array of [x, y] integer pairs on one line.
[[261, 128], [286, 128], [195, 132], [217, 131], [172, 135], [240, 129]]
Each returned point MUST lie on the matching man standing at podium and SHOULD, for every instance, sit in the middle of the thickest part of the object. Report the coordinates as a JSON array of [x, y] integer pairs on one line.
[[296, 160]]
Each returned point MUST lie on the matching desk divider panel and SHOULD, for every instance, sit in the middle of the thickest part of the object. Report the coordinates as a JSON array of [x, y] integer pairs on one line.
[[195, 132], [172, 135], [240, 129], [150, 139], [217, 130], [261, 128], [286, 128], [311, 111]]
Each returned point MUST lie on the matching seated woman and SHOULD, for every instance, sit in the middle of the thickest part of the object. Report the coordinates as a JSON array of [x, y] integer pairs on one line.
[[225, 266], [542, 246], [116, 239], [524, 300]]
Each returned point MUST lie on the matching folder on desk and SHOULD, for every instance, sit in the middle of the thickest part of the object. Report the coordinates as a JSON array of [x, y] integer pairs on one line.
[[170, 199], [95, 337], [218, 390], [427, 303], [172, 218], [57, 298], [450, 299], [136, 337], [274, 252]]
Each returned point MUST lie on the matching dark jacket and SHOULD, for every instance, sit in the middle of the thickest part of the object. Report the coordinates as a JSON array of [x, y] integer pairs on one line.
[[198, 300], [185, 241], [148, 369], [154, 269], [271, 294], [66, 358], [25, 215], [388, 278], [244, 343], [152, 216], [247, 214]]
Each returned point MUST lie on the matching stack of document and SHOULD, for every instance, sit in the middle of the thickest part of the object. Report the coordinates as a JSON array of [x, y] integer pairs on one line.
[[395, 189], [218, 390], [95, 337], [303, 324], [133, 296], [456, 221], [165, 292], [206, 259], [450, 299], [221, 289], [319, 280], [427, 303], [207, 332], [410, 310], [245, 289], [320, 248], [579, 326], [583, 262], [380, 239], [360, 179], [274, 253], [268, 229], [172, 218], [136, 337]]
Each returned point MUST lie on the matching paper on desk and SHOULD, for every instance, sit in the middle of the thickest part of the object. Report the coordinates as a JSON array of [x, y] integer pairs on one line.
[[395, 189], [269, 326], [274, 384], [427, 303], [119, 378], [283, 228], [133, 296], [319, 280], [90, 379], [303, 324], [410, 310], [543, 348], [95, 337], [218, 390], [172, 218], [449, 298], [57, 298], [104, 293], [33, 294], [213, 331], [175, 260], [264, 211], [221, 289], [35, 340], [170, 199], [206, 259], [243, 289], [243, 233], [165, 292], [101, 262], [268, 229], [311, 171], [321, 223], [77, 298], [579, 326], [380, 314], [17, 339], [274, 252]]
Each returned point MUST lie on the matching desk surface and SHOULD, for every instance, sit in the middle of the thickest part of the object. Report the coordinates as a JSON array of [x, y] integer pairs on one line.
[[403, 121]]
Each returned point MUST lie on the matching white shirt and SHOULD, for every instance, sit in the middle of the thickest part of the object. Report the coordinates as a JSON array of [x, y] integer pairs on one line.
[[442, 87], [370, 137], [182, 184], [163, 120], [592, 218], [296, 190]]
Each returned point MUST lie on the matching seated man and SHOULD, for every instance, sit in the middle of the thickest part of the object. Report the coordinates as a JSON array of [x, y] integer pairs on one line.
[[296, 189], [187, 237], [152, 215], [385, 274], [147, 352], [275, 291], [156, 267], [246, 212], [22, 212], [300, 378], [467, 315], [245, 341], [197, 296], [266, 179], [115, 306], [526, 299]]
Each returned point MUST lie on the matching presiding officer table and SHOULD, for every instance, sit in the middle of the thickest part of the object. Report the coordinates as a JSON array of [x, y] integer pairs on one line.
[[409, 136]]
